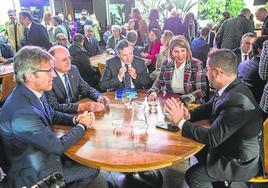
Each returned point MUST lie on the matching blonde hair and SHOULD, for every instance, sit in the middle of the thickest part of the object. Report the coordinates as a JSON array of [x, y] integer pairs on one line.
[[182, 42]]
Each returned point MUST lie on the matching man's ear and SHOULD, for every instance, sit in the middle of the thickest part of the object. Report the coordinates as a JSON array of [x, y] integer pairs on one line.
[[28, 76]]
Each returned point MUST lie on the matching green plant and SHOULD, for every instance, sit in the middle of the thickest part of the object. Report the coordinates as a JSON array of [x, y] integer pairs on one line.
[[212, 9]]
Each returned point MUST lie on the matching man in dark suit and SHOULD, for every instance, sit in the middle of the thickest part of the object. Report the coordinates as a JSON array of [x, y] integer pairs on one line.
[[262, 15], [68, 86], [114, 39], [27, 121], [6, 53], [125, 70], [90, 42], [232, 150], [244, 52], [35, 33]]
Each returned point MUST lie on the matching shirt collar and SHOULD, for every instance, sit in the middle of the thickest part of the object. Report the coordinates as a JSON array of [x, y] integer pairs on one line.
[[37, 94], [29, 26], [220, 91]]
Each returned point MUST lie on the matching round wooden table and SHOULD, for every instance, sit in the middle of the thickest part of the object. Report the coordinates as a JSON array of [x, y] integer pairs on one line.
[[107, 149]]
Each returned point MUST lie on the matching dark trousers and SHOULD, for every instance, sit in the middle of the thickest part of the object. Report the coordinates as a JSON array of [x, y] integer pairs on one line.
[[77, 175]]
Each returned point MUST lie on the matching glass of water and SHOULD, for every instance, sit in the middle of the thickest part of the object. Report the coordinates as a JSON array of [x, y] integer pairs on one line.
[[126, 98], [117, 121]]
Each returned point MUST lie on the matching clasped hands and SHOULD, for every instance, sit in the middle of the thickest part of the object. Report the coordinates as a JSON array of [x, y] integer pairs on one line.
[[131, 71], [86, 119], [100, 105], [177, 110]]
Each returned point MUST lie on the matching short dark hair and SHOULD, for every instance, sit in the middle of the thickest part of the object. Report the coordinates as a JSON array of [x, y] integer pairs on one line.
[[57, 19], [78, 38], [84, 10], [121, 45], [224, 59], [258, 44], [26, 14], [204, 31], [132, 36]]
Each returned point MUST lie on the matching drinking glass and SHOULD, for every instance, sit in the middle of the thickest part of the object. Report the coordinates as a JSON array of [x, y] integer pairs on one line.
[[117, 121], [126, 98], [138, 119]]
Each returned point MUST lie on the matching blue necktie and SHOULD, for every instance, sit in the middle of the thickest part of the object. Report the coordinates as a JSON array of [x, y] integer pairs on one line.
[[68, 88], [127, 80], [45, 106]]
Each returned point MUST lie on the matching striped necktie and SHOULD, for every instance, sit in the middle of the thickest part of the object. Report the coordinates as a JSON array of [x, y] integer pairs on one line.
[[68, 88]]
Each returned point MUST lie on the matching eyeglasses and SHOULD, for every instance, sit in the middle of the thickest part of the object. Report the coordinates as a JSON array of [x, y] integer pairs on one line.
[[45, 70], [63, 39]]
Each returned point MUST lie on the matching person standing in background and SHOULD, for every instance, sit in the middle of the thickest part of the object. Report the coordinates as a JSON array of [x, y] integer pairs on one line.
[[14, 31], [153, 17], [261, 15]]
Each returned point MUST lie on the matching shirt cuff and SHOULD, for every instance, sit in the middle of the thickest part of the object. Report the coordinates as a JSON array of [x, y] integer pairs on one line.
[[180, 124], [74, 121], [83, 127], [120, 79]]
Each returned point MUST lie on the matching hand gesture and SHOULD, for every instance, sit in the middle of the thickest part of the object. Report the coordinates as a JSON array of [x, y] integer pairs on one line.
[[152, 97], [104, 100], [122, 72], [176, 109], [132, 72], [86, 118]]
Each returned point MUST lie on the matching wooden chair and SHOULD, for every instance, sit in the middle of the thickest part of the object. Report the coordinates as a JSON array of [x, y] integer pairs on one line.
[[7, 86], [261, 179], [101, 68]]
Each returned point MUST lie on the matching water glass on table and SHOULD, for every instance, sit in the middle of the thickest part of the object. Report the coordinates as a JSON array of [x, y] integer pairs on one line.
[[126, 98], [117, 121]]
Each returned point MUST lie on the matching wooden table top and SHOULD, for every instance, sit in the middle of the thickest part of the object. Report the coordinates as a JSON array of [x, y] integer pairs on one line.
[[101, 58], [8, 70], [104, 148]]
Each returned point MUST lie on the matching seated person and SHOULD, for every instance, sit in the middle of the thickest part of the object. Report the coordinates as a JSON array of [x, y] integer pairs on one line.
[[232, 146], [90, 42], [107, 34], [248, 70], [80, 58], [200, 48], [68, 86], [153, 48], [61, 39], [30, 144], [6, 53], [132, 38], [125, 70], [114, 39], [163, 54], [244, 52], [181, 74]]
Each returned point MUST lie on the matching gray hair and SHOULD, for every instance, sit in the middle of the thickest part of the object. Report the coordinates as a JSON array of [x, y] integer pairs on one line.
[[132, 36], [28, 59], [245, 12], [116, 27], [88, 27], [224, 59]]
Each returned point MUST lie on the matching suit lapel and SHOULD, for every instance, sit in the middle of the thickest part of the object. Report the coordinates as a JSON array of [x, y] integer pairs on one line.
[[58, 84]]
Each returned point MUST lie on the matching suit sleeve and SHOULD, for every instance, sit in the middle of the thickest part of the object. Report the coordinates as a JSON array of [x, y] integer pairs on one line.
[[28, 126], [143, 80], [109, 80], [65, 107], [44, 37], [232, 117]]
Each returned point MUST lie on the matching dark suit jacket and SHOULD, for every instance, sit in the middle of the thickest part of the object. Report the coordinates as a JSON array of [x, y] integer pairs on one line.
[[93, 47], [7, 52], [264, 30], [30, 143], [111, 42], [38, 36], [57, 97], [237, 52], [211, 39], [81, 60], [110, 80], [248, 73], [232, 139]]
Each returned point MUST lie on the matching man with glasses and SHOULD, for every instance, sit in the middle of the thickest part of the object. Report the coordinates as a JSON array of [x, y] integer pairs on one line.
[[69, 87], [232, 150], [62, 40], [31, 146], [84, 20], [90, 42]]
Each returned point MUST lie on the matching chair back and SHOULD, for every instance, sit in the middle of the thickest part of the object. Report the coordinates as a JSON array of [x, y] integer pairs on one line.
[[101, 68]]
